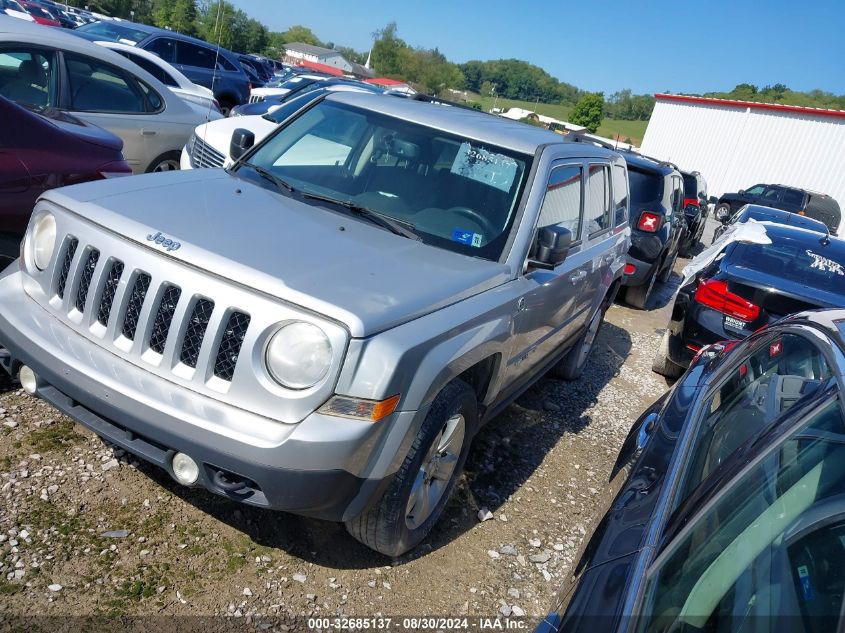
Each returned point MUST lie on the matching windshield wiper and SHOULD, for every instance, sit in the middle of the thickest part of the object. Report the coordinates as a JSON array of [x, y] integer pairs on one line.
[[386, 222], [279, 182]]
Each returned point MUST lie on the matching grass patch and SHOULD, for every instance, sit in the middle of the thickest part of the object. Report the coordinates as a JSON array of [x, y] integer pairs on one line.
[[235, 563], [9, 588], [144, 587], [44, 515], [53, 437]]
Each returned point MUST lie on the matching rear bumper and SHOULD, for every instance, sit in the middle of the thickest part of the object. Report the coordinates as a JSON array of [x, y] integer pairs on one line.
[[324, 467], [642, 271], [701, 326]]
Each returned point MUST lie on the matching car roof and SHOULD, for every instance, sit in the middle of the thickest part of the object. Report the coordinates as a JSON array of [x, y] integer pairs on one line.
[[779, 216], [467, 122], [804, 235], [646, 162]]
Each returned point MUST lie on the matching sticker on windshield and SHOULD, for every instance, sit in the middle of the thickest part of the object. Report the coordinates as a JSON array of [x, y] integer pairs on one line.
[[825, 264], [480, 165], [806, 585], [469, 238]]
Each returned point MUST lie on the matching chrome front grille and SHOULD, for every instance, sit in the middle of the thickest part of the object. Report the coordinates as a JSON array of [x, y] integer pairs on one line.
[[151, 310], [255, 98], [204, 156]]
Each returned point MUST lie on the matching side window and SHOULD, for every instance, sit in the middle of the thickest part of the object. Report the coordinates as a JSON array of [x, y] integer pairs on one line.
[[156, 71], [28, 75], [189, 54], [760, 389], [98, 87], [773, 536], [597, 212], [620, 194], [793, 197], [756, 190], [564, 200], [164, 47], [677, 194], [224, 63], [771, 194]]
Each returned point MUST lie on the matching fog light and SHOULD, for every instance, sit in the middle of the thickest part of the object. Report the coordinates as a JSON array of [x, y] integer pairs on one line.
[[29, 381], [185, 469]]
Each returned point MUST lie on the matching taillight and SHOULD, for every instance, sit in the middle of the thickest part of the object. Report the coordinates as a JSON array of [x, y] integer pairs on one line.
[[714, 293], [691, 202], [115, 169], [649, 222], [630, 269]]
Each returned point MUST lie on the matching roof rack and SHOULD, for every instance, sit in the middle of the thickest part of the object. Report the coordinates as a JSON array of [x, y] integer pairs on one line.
[[657, 160], [420, 96]]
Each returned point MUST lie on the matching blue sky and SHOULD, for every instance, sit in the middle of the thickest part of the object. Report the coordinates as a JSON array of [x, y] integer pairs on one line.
[[607, 45]]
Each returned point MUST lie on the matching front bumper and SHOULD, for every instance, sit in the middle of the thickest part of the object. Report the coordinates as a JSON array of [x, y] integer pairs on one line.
[[324, 467]]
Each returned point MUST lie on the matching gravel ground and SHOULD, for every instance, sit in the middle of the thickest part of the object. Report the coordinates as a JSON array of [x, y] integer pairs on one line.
[[86, 529]]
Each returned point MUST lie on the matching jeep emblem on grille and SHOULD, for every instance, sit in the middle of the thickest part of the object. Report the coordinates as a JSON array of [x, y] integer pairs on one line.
[[167, 243]]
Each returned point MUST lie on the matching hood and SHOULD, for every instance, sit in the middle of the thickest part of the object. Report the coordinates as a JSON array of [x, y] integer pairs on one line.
[[269, 92], [218, 134], [324, 261]]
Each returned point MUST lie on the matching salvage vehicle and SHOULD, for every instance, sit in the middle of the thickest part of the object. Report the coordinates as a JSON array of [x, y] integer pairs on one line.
[[818, 206], [30, 163], [765, 214], [725, 509], [744, 284], [696, 210], [657, 225], [323, 328], [52, 68]]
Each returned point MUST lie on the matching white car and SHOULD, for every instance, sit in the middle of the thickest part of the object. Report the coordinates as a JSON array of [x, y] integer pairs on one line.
[[13, 9], [166, 74], [99, 86], [210, 142], [257, 95]]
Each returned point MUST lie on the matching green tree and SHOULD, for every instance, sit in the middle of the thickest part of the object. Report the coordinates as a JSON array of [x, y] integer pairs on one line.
[[588, 111], [299, 33]]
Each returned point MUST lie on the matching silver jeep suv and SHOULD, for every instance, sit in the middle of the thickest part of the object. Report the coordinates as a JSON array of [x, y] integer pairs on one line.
[[323, 328]]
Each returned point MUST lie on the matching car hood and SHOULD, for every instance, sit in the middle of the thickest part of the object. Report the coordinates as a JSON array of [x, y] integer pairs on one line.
[[324, 261], [218, 133], [269, 92]]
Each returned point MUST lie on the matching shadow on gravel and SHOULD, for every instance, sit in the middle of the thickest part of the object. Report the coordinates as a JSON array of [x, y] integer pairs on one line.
[[663, 293], [7, 384], [504, 454]]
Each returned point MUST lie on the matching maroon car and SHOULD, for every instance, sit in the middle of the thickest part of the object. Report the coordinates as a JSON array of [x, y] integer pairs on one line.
[[42, 149]]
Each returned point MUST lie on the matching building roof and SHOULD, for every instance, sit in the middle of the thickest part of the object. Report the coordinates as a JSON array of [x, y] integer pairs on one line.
[[310, 49], [323, 68], [384, 81], [754, 105]]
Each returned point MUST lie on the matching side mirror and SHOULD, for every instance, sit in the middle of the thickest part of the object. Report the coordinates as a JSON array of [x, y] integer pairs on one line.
[[241, 141], [713, 200], [551, 246], [723, 215], [742, 192]]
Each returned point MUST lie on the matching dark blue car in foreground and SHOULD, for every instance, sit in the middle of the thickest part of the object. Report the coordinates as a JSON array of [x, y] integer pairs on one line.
[[725, 509]]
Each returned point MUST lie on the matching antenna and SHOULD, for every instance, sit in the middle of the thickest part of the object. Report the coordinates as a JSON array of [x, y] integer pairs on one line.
[[214, 75]]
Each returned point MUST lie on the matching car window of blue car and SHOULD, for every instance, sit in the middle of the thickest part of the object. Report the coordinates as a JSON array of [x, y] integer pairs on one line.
[[771, 545], [763, 386]]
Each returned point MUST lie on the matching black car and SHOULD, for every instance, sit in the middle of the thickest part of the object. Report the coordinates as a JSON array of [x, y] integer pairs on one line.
[[815, 205], [657, 225], [749, 285], [725, 510], [696, 210], [766, 214]]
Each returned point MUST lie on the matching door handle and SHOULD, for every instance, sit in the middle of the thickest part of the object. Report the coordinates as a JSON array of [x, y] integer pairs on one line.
[[578, 276], [146, 132], [608, 259]]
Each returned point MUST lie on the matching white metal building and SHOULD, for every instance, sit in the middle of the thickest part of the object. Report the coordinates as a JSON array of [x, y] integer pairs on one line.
[[737, 144]]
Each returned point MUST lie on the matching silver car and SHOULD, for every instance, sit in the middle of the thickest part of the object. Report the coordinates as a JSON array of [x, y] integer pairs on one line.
[[50, 68], [323, 328]]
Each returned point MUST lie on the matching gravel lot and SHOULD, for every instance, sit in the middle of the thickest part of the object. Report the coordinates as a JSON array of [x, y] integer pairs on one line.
[[85, 529]]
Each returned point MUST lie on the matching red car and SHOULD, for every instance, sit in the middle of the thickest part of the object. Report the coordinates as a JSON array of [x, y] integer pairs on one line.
[[42, 149], [40, 14]]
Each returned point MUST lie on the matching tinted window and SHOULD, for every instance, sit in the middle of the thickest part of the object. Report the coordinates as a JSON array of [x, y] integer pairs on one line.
[[114, 32], [189, 54], [690, 187], [793, 197], [756, 190], [99, 87], [645, 186], [771, 194], [163, 47], [765, 385], [563, 201], [677, 194], [154, 69], [28, 76], [769, 550], [620, 193], [597, 212]]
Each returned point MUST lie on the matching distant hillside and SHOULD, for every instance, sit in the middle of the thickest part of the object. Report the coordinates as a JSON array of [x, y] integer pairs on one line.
[[779, 93]]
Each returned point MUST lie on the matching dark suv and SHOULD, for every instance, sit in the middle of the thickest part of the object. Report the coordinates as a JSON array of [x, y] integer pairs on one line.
[[696, 209], [818, 206], [201, 62], [657, 223]]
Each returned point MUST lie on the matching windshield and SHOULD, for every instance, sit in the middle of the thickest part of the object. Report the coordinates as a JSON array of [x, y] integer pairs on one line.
[[456, 193], [645, 186], [114, 32], [806, 262], [289, 108]]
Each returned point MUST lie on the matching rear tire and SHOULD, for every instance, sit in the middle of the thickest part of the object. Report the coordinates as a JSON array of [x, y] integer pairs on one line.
[[413, 502], [169, 161], [662, 364], [637, 296], [226, 105]]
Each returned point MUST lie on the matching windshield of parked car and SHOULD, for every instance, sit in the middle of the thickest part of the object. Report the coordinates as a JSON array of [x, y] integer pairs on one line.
[[807, 262], [769, 553], [289, 108], [114, 32], [645, 186], [454, 192]]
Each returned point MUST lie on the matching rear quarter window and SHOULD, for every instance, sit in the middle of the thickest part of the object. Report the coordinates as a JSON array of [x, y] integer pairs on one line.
[[645, 186]]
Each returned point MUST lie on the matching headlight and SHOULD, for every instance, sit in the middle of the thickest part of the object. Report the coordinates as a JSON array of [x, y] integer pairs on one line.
[[43, 240], [298, 355]]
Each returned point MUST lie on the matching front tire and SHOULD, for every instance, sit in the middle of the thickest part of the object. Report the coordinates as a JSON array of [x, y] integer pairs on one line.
[[169, 161], [413, 502], [571, 366]]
